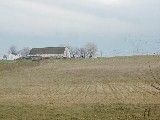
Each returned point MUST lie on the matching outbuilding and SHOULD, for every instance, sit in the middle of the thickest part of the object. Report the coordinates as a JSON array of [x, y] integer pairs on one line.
[[55, 52]]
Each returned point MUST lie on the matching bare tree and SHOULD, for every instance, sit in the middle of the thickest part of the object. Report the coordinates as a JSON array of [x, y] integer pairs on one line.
[[12, 49], [71, 49], [83, 52], [25, 51], [91, 49], [4, 57], [77, 51]]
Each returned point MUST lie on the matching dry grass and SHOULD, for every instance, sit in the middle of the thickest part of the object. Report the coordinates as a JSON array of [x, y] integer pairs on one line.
[[113, 88]]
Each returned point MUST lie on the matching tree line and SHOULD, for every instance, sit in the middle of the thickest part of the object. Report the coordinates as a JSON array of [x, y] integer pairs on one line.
[[13, 50], [88, 51]]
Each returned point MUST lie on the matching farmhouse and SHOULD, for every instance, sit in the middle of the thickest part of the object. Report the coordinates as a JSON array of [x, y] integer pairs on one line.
[[11, 56], [1, 57], [55, 52]]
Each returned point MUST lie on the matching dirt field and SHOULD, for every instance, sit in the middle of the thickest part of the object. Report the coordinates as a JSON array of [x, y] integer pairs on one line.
[[120, 88]]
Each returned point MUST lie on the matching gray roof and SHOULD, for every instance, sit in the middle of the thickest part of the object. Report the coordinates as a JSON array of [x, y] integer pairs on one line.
[[47, 50]]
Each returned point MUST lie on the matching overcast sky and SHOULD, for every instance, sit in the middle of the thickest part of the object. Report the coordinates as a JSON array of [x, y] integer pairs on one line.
[[116, 26]]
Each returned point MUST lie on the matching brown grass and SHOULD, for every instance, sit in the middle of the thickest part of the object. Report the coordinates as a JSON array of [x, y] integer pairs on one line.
[[117, 88]]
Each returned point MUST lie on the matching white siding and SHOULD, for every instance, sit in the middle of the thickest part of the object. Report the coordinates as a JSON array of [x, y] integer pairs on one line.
[[51, 55], [1, 57], [13, 57], [67, 53]]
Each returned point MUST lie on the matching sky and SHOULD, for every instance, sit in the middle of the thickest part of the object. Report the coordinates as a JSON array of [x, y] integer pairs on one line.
[[117, 27]]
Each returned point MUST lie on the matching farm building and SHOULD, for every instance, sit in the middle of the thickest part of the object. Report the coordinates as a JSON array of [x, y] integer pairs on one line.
[[1, 57], [10, 57], [56, 52]]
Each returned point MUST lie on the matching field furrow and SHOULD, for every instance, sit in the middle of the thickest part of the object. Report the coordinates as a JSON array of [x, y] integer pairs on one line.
[[87, 90], [117, 88], [113, 91]]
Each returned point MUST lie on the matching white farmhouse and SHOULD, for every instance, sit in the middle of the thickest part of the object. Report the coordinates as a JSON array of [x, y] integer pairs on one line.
[[12, 56], [57, 52], [1, 57]]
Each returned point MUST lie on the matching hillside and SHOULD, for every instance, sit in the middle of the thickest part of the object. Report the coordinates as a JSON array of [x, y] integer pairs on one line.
[[103, 88]]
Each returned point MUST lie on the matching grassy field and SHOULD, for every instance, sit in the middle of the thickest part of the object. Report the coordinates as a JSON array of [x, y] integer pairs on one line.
[[120, 88]]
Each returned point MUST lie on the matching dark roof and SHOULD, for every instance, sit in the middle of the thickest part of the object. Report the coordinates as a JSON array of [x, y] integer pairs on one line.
[[47, 50]]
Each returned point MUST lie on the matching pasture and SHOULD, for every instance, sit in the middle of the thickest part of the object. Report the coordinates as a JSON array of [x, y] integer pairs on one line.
[[119, 88]]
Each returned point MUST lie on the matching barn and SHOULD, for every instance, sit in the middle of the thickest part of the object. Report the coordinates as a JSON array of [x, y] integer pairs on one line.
[[55, 52]]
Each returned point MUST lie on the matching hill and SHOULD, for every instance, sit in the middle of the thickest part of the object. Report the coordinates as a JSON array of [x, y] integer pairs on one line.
[[103, 88]]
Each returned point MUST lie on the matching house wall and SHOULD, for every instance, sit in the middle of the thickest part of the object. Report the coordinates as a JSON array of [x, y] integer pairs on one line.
[[67, 53], [49, 55], [1, 57], [13, 57], [52, 55]]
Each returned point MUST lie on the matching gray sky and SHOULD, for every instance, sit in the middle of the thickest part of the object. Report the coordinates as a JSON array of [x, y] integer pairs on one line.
[[116, 26]]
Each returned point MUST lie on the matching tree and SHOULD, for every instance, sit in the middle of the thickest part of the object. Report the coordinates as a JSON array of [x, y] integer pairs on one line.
[[25, 51], [71, 49], [91, 49], [74, 51], [77, 51], [83, 52], [12, 49], [4, 57]]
